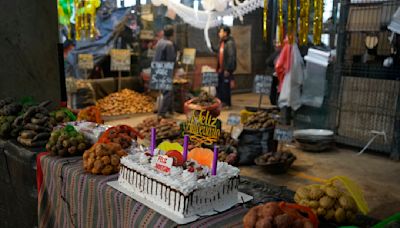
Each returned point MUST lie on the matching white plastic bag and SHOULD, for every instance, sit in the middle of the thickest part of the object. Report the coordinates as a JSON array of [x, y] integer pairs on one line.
[[291, 87]]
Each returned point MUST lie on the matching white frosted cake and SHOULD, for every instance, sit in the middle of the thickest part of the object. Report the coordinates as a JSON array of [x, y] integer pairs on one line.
[[186, 190]]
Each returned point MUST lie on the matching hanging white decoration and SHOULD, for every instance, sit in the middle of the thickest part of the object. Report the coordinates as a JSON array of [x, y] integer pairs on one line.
[[205, 19], [208, 5], [156, 2], [221, 5]]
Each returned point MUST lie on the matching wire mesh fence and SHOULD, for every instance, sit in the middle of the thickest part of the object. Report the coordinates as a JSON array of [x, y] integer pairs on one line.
[[367, 76]]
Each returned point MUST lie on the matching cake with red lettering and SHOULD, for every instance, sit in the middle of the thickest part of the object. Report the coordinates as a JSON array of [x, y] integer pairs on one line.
[[184, 188]]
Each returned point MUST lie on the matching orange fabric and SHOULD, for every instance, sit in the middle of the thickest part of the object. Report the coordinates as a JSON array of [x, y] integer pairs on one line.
[[221, 56], [282, 65], [292, 210]]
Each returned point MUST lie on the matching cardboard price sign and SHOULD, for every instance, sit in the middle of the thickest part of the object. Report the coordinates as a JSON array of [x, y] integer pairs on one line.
[[233, 119], [146, 35], [164, 164], [262, 84], [189, 54], [85, 61], [210, 79], [203, 128], [161, 75], [120, 60], [284, 134]]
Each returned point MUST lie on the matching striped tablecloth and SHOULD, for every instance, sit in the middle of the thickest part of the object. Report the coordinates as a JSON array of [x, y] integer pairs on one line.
[[69, 197]]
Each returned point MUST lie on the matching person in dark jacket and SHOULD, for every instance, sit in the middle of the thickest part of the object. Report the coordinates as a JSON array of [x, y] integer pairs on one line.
[[166, 51], [226, 65]]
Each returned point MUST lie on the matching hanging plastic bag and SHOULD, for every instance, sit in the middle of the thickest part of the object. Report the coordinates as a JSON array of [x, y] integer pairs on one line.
[[282, 65], [291, 88], [314, 85]]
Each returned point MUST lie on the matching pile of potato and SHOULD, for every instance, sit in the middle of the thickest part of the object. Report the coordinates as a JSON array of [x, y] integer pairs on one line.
[[271, 215], [66, 142], [165, 128], [103, 158], [228, 148], [61, 116], [327, 201], [204, 100], [277, 157], [260, 120], [226, 139], [125, 102]]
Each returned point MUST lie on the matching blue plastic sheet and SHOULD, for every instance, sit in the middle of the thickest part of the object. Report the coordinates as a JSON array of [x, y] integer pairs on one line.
[[100, 47]]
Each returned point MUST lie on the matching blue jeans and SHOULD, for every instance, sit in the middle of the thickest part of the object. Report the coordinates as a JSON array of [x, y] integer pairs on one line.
[[167, 103]]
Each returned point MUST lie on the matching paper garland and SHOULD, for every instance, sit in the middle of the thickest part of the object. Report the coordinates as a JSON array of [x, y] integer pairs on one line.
[[265, 19], [317, 25], [85, 18], [303, 30], [304, 24], [280, 29]]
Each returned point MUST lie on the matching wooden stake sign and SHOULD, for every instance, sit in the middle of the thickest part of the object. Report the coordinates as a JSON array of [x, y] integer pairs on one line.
[[203, 128], [161, 75], [283, 133], [120, 60], [189, 54], [85, 61]]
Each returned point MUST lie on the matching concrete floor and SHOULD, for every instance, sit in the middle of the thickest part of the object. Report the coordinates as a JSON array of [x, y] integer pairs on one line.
[[378, 176]]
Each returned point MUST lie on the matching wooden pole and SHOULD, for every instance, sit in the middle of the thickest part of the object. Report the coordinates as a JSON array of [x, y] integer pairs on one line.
[[119, 80], [260, 100]]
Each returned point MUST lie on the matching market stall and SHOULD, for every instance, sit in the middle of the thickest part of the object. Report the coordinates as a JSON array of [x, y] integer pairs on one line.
[[70, 197]]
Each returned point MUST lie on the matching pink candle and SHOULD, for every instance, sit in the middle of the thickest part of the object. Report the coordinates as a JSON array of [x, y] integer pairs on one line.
[[185, 147], [153, 141], [215, 160]]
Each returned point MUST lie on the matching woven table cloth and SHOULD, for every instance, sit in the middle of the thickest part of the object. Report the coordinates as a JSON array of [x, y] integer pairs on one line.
[[70, 197]]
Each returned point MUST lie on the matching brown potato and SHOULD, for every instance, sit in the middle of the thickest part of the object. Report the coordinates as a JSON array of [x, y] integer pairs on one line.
[[250, 219], [106, 160], [115, 160], [95, 170], [107, 170], [98, 164]]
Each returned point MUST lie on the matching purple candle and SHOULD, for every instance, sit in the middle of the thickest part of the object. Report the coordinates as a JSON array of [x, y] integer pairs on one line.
[[185, 147], [153, 141], [215, 160]]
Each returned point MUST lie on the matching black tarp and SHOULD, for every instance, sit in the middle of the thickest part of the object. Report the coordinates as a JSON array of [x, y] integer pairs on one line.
[[18, 192]]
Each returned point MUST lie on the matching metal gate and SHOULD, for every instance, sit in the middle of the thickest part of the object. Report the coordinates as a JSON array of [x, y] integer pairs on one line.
[[368, 92]]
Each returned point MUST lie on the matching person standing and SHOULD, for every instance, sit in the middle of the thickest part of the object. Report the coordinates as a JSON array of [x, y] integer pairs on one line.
[[166, 51], [226, 65]]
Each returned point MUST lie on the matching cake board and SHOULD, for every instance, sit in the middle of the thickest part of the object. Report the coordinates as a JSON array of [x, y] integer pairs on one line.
[[242, 198]]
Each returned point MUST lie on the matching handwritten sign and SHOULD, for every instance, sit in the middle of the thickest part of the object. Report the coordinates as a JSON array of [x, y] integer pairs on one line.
[[203, 128], [161, 75], [283, 133], [189, 54], [233, 119], [210, 79], [262, 84], [164, 164], [120, 60], [147, 34], [85, 61]]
